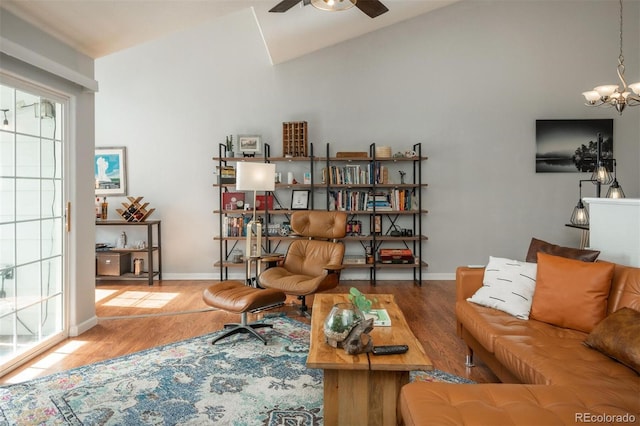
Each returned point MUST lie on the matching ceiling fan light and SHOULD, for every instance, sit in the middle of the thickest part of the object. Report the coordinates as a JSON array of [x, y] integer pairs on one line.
[[333, 5]]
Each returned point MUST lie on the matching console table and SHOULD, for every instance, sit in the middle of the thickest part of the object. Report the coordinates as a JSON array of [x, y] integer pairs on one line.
[[153, 246], [364, 388]]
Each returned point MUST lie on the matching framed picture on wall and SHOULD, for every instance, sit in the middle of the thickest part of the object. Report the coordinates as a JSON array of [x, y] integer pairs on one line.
[[110, 171], [570, 146], [299, 199], [249, 143]]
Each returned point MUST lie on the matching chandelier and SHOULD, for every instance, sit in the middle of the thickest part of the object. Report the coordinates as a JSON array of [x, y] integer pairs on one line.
[[612, 94]]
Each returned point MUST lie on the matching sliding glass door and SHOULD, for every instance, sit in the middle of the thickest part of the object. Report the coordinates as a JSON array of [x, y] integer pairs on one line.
[[32, 225]]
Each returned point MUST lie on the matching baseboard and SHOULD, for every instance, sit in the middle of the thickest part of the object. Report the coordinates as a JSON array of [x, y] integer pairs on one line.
[[346, 276], [76, 330]]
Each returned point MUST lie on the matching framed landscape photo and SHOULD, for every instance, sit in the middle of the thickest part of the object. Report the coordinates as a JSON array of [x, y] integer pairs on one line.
[[110, 171], [249, 143], [299, 199], [570, 146]]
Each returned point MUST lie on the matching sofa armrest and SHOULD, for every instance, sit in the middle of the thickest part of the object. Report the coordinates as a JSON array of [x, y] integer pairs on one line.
[[468, 281]]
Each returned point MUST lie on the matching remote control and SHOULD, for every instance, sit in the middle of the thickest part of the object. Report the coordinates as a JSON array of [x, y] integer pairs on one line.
[[390, 349]]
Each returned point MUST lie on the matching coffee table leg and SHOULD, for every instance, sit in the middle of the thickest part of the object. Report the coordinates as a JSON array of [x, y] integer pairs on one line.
[[361, 396]]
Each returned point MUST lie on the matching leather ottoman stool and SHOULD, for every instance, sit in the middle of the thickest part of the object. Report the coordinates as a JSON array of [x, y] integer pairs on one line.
[[236, 297]]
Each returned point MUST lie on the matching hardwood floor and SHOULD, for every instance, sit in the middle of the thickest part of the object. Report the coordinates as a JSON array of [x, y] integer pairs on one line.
[[133, 316]]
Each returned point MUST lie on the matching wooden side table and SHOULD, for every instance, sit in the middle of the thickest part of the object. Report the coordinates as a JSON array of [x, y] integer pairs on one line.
[[152, 246], [364, 388]]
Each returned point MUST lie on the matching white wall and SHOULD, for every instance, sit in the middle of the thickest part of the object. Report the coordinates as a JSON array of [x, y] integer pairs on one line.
[[468, 81]]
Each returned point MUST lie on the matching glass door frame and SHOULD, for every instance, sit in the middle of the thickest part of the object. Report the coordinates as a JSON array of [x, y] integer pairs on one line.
[[65, 101]]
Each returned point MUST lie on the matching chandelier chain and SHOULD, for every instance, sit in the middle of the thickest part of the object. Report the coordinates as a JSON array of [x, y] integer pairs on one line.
[[621, 58]]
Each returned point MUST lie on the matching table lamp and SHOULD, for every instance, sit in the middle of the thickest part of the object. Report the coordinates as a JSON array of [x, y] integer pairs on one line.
[[255, 177]]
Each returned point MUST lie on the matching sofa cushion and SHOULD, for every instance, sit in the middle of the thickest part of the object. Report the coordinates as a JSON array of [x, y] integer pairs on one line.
[[571, 293], [538, 246], [487, 324], [508, 285], [618, 336], [423, 403], [560, 360]]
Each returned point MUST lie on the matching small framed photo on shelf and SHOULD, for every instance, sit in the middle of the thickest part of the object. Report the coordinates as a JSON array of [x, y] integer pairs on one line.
[[300, 199], [249, 143]]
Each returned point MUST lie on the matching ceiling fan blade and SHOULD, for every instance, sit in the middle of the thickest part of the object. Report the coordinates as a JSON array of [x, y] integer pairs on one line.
[[372, 8], [284, 5]]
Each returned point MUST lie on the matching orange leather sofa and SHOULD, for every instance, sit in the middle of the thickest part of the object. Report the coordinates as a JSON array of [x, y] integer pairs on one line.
[[550, 377]]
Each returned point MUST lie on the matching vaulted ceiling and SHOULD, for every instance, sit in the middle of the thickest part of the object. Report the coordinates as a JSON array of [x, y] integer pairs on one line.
[[100, 27]]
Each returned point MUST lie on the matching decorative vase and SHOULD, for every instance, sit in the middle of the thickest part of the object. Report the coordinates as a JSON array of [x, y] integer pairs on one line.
[[340, 321]]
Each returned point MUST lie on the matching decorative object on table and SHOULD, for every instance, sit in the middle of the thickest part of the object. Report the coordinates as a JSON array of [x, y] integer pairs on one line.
[[255, 177], [342, 319], [110, 171], [294, 139], [299, 199], [568, 145], [229, 145], [358, 341], [249, 145], [599, 177], [611, 94], [402, 175], [135, 210], [360, 300]]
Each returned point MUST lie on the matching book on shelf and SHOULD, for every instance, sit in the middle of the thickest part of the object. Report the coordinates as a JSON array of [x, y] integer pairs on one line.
[[353, 259], [380, 317]]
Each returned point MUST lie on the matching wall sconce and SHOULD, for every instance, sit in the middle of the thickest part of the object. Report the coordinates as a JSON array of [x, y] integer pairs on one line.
[[255, 177]]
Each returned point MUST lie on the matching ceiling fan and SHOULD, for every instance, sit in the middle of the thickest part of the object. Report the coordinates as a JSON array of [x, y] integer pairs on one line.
[[371, 8]]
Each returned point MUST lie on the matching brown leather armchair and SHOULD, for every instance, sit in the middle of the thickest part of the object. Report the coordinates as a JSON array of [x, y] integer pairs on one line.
[[313, 264]]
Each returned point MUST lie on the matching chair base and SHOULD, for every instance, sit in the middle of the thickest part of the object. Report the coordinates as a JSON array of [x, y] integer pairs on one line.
[[243, 327]]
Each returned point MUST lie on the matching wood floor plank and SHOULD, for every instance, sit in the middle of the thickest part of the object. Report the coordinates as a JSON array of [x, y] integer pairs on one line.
[[133, 316]]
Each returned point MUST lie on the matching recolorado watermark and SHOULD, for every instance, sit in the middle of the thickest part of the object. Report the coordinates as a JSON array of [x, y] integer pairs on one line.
[[605, 418]]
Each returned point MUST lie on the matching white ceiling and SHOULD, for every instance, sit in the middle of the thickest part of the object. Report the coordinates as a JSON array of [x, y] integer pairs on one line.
[[100, 27]]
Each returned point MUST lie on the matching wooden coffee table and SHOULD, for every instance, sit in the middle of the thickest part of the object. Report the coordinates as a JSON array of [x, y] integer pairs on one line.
[[363, 389]]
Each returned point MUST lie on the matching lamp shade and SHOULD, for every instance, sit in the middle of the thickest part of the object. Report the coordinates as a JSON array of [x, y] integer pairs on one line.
[[255, 176]]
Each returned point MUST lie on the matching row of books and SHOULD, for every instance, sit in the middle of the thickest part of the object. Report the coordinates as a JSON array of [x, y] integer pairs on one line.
[[352, 200], [356, 174]]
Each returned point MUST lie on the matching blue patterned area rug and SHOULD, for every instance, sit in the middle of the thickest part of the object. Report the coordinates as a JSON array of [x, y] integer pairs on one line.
[[238, 381]]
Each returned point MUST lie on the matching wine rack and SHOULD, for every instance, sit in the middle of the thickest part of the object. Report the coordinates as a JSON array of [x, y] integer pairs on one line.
[[294, 139], [135, 210]]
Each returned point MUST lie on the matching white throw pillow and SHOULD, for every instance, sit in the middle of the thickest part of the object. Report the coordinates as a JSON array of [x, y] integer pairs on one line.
[[508, 286]]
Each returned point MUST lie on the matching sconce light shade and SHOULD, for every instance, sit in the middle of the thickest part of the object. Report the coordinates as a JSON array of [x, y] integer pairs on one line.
[[615, 190], [252, 176], [580, 214]]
